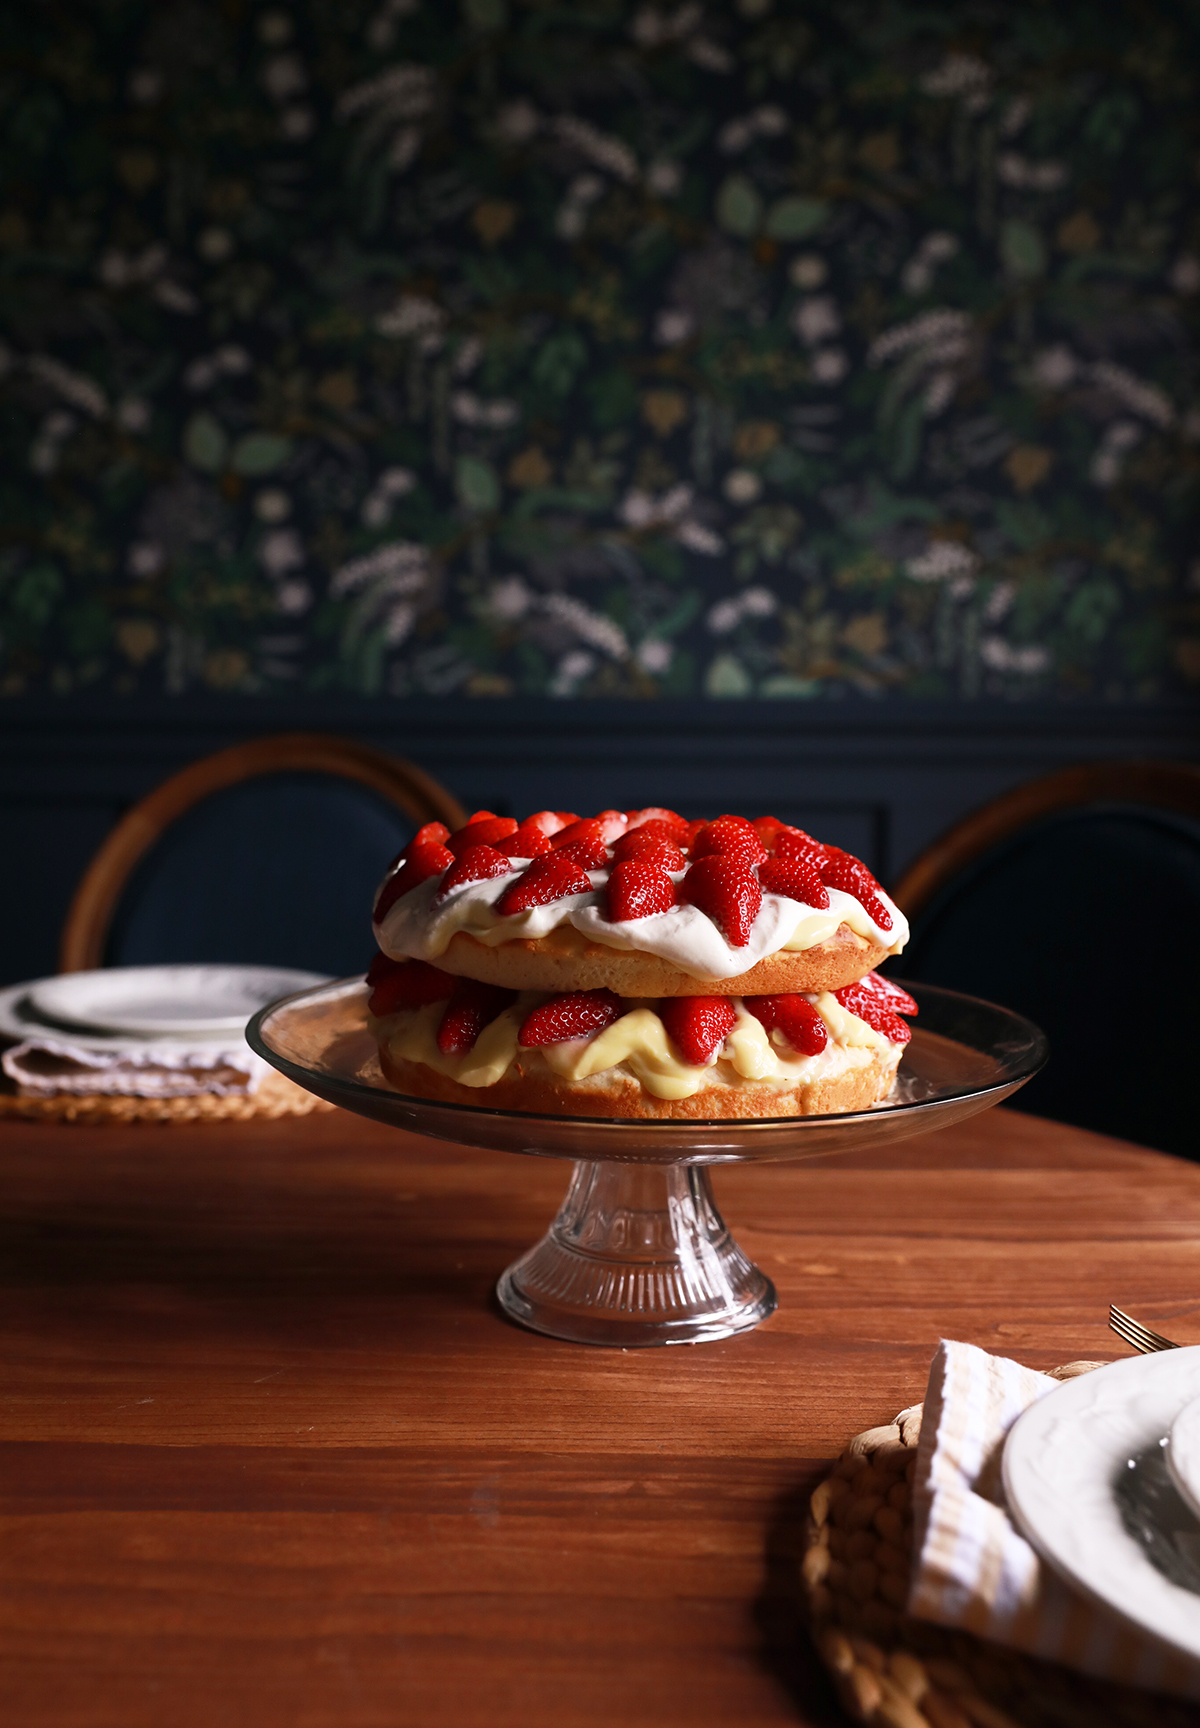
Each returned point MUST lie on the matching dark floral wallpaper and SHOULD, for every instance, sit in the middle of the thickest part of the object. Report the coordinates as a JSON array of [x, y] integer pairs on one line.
[[791, 348]]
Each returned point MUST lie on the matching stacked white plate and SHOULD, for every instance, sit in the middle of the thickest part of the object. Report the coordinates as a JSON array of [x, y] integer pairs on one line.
[[1103, 1477], [123, 1006]]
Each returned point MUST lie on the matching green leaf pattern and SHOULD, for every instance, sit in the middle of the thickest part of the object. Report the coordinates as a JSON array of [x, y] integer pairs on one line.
[[796, 349]]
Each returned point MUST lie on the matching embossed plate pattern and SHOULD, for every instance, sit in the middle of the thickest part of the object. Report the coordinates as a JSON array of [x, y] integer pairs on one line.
[[1086, 1477], [1183, 1454], [164, 1001]]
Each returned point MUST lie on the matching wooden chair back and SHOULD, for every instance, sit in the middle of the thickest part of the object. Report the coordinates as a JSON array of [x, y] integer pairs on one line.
[[1076, 901], [1171, 786], [89, 918]]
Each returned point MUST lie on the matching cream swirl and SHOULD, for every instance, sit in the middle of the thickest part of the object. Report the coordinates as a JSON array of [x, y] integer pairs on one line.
[[421, 924], [637, 1047]]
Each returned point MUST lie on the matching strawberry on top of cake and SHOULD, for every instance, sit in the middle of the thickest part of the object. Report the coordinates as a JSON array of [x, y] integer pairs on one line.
[[647, 898], [636, 964]]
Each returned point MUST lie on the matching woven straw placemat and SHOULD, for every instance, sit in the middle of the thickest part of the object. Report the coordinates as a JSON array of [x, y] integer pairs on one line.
[[896, 1672], [276, 1096]]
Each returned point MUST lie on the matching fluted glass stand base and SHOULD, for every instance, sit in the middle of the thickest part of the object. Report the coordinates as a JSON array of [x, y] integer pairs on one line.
[[637, 1255]]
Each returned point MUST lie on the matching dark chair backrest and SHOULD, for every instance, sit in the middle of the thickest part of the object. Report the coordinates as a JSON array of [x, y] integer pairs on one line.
[[1087, 919], [278, 871], [268, 854]]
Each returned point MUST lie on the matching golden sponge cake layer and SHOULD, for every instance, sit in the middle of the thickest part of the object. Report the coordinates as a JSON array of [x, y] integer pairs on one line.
[[616, 1095], [564, 960]]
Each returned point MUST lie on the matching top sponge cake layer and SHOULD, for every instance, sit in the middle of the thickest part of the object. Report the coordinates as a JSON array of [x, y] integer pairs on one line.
[[564, 960]]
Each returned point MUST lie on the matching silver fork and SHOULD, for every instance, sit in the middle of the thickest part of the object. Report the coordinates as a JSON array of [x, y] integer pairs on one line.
[[1133, 1332]]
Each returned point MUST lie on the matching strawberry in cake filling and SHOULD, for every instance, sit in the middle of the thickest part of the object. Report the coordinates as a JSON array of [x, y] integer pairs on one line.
[[476, 1034]]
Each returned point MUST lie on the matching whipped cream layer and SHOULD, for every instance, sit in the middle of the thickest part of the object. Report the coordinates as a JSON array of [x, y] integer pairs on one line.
[[421, 925], [636, 1048]]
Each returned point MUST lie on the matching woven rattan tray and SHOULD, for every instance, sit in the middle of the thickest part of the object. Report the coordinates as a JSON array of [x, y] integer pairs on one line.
[[896, 1672], [276, 1096]]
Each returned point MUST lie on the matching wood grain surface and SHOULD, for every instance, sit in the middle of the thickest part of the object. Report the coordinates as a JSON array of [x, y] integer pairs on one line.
[[269, 1455]]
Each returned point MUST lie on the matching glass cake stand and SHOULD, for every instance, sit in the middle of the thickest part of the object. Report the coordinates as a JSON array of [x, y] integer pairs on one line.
[[639, 1253]]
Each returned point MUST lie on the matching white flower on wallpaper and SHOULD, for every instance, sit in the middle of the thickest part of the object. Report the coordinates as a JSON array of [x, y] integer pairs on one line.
[[665, 349]]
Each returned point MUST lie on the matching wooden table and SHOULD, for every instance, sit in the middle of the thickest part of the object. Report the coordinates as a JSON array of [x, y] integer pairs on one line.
[[269, 1455]]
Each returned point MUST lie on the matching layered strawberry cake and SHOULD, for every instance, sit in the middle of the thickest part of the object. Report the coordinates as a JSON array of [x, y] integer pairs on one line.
[[636, 964]]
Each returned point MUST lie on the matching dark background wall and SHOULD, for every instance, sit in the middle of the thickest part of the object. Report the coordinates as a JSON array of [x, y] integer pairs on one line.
[[773, 404], [791, 348], [882, 787]]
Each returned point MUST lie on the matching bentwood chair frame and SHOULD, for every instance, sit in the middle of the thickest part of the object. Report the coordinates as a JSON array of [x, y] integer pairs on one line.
[[1173, 786], [95, 901]]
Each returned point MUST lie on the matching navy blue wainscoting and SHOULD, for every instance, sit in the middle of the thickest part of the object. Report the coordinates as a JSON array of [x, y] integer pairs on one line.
[[882, 781]]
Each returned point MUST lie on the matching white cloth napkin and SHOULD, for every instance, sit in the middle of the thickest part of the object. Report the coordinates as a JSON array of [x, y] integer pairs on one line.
[[972, 1569], [45, 1067]]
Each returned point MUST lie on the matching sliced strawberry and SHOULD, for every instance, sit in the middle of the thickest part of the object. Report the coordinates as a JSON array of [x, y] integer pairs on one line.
[[570, 1016], [638, 888], [549, 821], [606, 827], [696, 1025], [767, 827], [789, 840], [873, 1009], [613, 824], [476, 864], [794, 846], [420, 863], [481, 831], [472, 1007], [687, 841], [528, 842], [795, 1017], [842, 870], [429, 834], [729, 837], [641, 843], [381, 966], [547, 879], [653, 830], [588, 854], [728, 891], [796, 878], [891, 995], [409, 984], [589, 829], [565, 818], [675, 824]]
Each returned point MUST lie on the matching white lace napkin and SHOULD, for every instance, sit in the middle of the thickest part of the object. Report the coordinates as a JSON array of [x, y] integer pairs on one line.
[[972, 1568], [44, 1067]]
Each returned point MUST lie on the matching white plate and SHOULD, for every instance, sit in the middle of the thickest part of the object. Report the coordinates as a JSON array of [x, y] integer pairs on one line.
[[1183, 1454], [20, 1020], [1085, 1474], [163, 1001]]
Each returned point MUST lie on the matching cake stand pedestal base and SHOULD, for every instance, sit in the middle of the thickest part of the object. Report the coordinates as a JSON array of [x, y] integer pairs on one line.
[[637, 1255]]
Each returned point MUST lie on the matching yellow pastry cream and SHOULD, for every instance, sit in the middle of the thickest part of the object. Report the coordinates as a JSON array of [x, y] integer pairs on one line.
[[636, 1047]]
